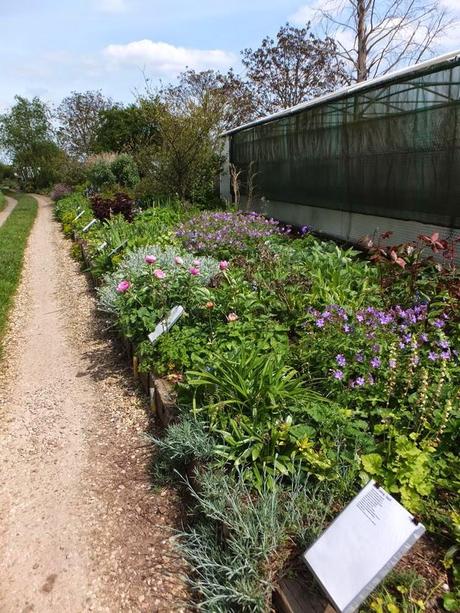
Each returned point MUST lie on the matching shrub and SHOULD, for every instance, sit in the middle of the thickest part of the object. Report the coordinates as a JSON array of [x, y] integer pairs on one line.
[[104, 208], [59, 191], [125, 171], [100, 175]]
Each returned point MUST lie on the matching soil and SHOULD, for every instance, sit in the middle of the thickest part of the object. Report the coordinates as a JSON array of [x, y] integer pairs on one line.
[[80, 525]]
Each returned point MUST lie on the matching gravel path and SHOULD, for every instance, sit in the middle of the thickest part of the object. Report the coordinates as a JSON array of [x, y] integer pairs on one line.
[[9, 206], [80, 527]]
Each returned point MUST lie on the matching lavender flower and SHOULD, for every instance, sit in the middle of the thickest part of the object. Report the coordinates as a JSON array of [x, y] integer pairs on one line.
[[340, 359]]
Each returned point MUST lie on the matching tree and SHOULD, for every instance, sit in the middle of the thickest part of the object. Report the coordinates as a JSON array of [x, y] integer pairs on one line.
[[79, 115], [294, 68], [186, 160], [376, 36], [227, 96], [125, 130], [26, 136]]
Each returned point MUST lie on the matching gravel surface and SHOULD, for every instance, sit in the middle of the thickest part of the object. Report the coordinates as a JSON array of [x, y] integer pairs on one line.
[[81, 529], [9, 206]]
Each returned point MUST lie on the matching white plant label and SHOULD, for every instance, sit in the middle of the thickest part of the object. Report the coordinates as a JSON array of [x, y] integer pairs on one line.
[[102, 246], [79, 215], [117, 248], [166, 324], [88, 226], [361, 546]]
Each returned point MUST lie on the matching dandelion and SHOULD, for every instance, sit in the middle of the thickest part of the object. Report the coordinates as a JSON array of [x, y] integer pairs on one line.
[[123, 286], [159, 274]]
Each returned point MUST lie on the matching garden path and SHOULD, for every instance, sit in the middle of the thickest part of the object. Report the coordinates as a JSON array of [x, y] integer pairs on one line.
[[10, 204], [80, 528]]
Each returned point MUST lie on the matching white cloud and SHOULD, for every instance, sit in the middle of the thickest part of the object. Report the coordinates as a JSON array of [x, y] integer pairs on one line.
[[164, 58], [111, 6]]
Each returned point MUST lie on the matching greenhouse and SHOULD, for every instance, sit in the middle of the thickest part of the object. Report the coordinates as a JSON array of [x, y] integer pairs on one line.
[[380, 155]]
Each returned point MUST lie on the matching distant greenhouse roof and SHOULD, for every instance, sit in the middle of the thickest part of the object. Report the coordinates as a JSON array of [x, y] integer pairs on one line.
[[440, 61]]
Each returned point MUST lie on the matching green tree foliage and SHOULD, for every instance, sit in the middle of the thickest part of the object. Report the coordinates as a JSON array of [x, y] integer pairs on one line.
[[125, 170], [125, 129], [26, 135]]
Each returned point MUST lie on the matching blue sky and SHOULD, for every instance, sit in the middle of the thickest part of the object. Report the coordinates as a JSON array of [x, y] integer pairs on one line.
[[50, 47]]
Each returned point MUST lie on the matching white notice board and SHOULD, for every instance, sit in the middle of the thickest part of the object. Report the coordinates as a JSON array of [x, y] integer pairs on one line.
[[361, 546]]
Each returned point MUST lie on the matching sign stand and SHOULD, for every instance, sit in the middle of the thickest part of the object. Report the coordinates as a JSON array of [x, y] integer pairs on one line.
[[166, 324], [361, 546]]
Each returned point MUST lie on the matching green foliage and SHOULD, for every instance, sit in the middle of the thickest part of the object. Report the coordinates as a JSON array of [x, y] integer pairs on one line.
[[125, 171], [100, 175], [26, 135]]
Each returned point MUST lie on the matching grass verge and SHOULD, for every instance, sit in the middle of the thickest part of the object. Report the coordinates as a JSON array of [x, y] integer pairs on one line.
[[13, 240], [2, 201]]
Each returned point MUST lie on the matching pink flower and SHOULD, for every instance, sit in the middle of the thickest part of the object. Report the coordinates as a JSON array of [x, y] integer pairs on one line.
[[194, 271], [159, 274], [232, 317], [179, 261], [223, 264], [150, 259], [123, 286], [196, 262]]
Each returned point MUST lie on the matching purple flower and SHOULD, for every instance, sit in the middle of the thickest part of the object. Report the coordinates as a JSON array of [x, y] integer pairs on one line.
[[375, 362], [445, 355], [438, 323], [444, 343], [346, 328], [359, 357], [424, 337], [432, 356], [359, 382], [392, 363], [319, 323], [338, 374], [340, 359]]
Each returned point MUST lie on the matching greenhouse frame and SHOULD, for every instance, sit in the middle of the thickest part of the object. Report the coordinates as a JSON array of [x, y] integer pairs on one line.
[[380, 155]]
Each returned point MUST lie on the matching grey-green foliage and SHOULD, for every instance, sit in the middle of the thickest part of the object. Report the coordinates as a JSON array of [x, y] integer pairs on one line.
[[100, 175], [241, 541], [185, 443]]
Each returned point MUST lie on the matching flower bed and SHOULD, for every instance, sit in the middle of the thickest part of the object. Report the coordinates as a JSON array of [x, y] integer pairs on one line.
[[301, 370]]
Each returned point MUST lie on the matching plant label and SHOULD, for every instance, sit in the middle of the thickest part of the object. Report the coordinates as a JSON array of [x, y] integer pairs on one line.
[[117, 248], [166, 324], [88, 226], [79, 215], [102, 246], [361, 546]]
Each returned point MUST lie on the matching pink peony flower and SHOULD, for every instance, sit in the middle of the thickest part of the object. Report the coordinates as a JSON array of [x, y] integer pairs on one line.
[[159, 274], [179, 261], [123, 286], [223, 264], [194, 271], [196, 262], [232, 317], [150, 259]]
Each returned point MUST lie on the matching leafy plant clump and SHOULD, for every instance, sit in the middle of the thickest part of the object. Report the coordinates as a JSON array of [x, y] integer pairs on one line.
[[120, 204], [225, 234]]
